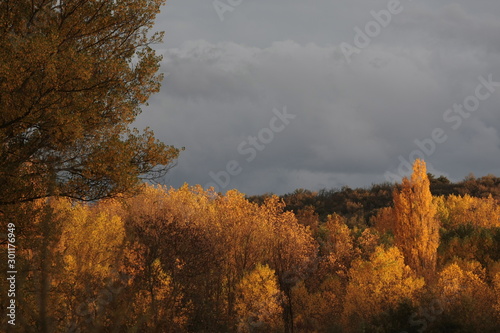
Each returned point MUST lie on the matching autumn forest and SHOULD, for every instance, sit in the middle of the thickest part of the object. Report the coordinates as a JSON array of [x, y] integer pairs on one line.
[[191, 260], [91, 242]]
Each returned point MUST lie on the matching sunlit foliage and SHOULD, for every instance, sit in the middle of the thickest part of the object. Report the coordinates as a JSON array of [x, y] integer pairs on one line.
[[258, 301], [466, 298], [416, 227], [376, 286], [193, 260]]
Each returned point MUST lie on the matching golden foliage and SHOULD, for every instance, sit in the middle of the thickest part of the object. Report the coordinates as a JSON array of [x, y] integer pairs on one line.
[[338, 247], [292, 252], [384, 220], [73, 76], [207, 242], [416, 229], [455, 211], [378, 285], [466, 297], [368, 242], [308, 217], [496, 305], [188, 259], [76, 255], [258, 307], [315, 311], [90, 240], [292, 247]]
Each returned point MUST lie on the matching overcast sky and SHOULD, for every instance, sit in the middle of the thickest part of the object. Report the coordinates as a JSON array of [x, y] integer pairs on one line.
[[271, 96]]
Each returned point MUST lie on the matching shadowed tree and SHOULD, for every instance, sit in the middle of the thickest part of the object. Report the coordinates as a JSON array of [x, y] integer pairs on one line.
[[292, 253], [73, 75]]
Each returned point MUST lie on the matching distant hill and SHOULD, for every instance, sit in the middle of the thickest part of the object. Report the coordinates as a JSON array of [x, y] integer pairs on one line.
[[360, 204]]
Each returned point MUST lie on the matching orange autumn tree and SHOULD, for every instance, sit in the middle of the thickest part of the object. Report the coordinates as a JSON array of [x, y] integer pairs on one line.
[[456, 210], [384, 220], [90, 249], [292, 251], [378, 285], [338, 248], [416, 229], [203, 245], [466, 298], [171, 234], [258, 306]]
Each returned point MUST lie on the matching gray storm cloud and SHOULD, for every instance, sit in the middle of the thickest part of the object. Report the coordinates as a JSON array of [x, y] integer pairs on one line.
[[352, 121]]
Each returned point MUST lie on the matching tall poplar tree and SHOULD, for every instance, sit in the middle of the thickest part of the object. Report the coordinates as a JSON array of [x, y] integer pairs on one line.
[[416, 228]]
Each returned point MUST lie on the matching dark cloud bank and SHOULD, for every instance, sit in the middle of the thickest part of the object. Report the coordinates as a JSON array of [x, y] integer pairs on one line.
[[268, 100]]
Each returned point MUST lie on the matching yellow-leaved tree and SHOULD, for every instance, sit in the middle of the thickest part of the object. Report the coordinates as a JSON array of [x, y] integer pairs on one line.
[[466, 298], [258, 307], [378, 285], [455, 211], [338, 247], [416, 229], [318, 309], [292, 252], [91, 245]]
